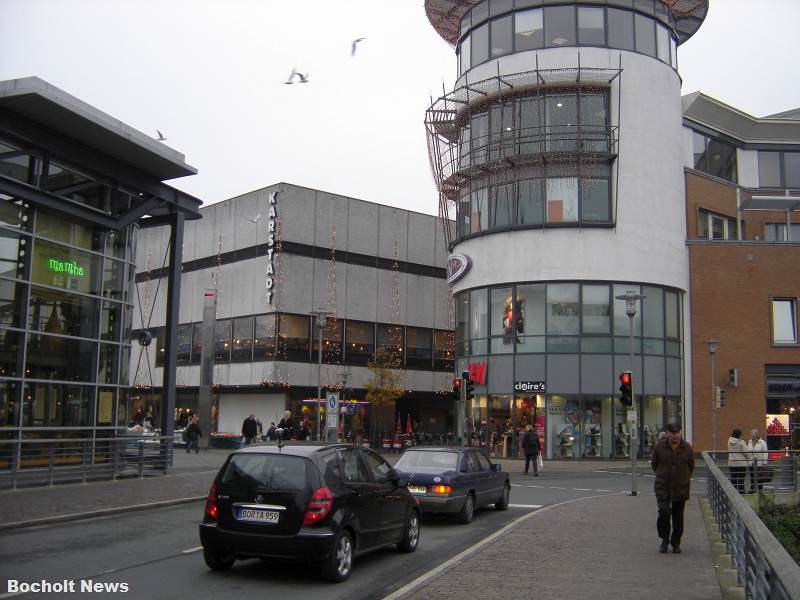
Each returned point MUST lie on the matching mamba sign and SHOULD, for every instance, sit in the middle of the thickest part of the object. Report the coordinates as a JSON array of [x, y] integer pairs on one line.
[[69, 267]]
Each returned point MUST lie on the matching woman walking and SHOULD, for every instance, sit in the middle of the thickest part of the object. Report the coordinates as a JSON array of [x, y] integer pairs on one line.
[[737, 459]]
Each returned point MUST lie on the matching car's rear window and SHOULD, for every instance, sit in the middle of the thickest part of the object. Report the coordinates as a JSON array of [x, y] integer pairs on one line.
[[275, 472], [428, 460]]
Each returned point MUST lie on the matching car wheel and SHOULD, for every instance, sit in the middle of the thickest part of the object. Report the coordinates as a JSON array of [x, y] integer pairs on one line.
[[502, 504], [218, 561], [468, 510], [338, 565], [410, 539]]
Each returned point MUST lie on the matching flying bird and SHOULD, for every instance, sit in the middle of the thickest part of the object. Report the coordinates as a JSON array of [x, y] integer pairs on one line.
[[303, 78], [256, 219], [291, 77], [353, 47], [161, 137]]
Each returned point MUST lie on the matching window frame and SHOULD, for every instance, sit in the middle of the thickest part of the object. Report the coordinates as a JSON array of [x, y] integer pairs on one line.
[[792, 304]]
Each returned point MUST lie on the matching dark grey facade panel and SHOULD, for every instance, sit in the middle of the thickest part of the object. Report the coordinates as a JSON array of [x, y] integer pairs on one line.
[[597, 374], [653, 376], [500, 370], [561, 373]]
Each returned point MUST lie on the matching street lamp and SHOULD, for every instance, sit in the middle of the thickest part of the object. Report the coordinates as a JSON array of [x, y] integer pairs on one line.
[[630, 298], [712, 350], [343, 376], [320, 318]]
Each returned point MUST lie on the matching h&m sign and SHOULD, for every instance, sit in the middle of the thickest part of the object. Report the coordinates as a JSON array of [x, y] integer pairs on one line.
[[477, 372]]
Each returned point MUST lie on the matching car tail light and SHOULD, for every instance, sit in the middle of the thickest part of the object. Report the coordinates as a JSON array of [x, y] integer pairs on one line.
[[319, 506], [440, 489], [211, 503]]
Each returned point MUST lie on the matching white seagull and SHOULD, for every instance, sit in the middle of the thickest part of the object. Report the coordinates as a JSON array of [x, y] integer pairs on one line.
[[161, 137], [353, 47], [258, 216]]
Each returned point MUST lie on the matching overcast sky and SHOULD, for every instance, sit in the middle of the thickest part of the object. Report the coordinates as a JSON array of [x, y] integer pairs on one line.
[[209, 74]]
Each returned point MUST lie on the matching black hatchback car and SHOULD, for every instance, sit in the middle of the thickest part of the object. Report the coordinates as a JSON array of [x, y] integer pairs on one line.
[[307, 502]]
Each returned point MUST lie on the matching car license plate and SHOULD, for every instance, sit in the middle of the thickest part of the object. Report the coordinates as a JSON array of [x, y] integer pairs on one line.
[[417, 489], [253, 515]]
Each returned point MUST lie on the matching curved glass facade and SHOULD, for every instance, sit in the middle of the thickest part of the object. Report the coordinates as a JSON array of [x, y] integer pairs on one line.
[[572, 337], [489, 31]]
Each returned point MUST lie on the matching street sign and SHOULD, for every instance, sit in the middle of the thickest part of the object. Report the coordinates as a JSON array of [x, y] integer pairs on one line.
[[632, 415], [332, 416]]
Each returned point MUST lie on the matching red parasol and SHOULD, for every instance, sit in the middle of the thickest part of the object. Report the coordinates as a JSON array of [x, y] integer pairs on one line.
[[398, 427], [408, 423]]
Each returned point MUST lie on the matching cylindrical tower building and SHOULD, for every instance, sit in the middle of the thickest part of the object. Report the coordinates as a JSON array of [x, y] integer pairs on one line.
[[559, 160]]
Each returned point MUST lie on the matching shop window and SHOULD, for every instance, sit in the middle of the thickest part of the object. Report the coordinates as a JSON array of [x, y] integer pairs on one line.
[[293, 340], [242, 346], [501, 38], [12, 302], [53, 405], [478, 308], [462, 324], [559, 26], [596, 309], [67, 268], [563, 309], [197, 343], [9, 403], [502, 321], [222, 341], [331, 341], [443, 350], [531, 306], [359, 342], [184, 353], [591, 26], [10, 352], [61, 313], [390, 340], [419, 348], [528, 30], [264, 340], [784, 321], [64, 359]]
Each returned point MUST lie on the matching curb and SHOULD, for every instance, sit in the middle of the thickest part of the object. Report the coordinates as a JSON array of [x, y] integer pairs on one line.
[[97, 513]]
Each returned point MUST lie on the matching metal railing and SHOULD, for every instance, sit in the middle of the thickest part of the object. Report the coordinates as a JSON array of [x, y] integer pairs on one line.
[[31, 462], [764, 567]]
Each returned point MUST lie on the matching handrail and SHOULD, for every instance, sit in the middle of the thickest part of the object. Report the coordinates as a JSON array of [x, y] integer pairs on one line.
[[764, 567]]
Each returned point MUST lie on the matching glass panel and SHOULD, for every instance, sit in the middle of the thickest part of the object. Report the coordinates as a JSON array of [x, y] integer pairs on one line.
[[531, 304], [702, 224], [443, 344], [13, 248], [645, 35], [671, 314], [594, 122], [699, 150], [65, 268], [595, 200], [501, 127], [501, 320], [10, 353], [479, 138], [783, 322], [264, 343], [621, 324], [478, 320], [498, 7], [563, 309], [653, 346], [111, 322], [419, 348], [113, 278], [791, 168], [769, 169], [559, 25], [53, 226], [722, 160], [464, 156], [480, 44], [673, 52], [57, 405], [591, 26], [528, 30], [662, 43], [501, 36], [15, 164], [596, 309], [620, 29], [50, 357], [125, 365], [562, 199], [105, 406], [564, 427], [480, 12], [562, 122], [717, 228], [331, 342], [466, 55], [293, 341], [9, 405], [108, 363], [360, 342], [653, 312], [480, 211], [464, 214], [197, 342], [52, 311], [502, 206], [645, 6], [600, 345], [222, 341], [242, 350], [390, 339], [12, 297], [184, 353], [462, 323], [14, 212], [531, 202], [530, 119]]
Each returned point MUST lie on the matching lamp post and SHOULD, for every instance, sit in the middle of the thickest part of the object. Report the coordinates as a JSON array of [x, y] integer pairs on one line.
[[343, 376], [320, 318], [712, 350], [630, 298]]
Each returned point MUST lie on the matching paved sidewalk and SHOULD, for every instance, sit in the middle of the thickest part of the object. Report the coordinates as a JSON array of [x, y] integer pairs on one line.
[[604, 546]]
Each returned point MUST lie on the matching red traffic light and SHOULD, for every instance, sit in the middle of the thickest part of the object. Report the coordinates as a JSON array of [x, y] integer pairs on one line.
[[456, 384], [625, 377]]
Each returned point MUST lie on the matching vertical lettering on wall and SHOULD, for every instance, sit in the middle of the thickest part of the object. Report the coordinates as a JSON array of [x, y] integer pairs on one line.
[[270, 274]]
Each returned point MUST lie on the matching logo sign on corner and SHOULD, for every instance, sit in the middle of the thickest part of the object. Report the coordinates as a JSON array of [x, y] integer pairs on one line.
[[457, 266], [530, 386]]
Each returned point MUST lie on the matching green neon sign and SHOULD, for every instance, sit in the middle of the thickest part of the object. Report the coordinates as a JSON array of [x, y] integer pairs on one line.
[[70, 267]]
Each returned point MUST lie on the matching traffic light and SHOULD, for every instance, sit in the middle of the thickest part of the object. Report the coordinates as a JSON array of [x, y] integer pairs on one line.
[[719, 396], [625, 395], [733, 377], [470, 389], [456, 394]]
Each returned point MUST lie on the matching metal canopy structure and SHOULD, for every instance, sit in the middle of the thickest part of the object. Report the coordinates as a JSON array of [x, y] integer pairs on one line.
[[446, 15], [787, 204]]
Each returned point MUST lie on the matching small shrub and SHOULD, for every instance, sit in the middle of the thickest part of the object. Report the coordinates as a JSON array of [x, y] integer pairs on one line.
[[783, 520]]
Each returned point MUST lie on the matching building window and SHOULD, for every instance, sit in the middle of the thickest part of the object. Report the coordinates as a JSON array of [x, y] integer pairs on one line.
[[769, 169], [242, 350], [559, 26], [591, 26], [501, 37], [784, 321], [712, 226], [264, 342], [528, 30], [776, 232], [390, 340], [359, 342], [714, 157], [419, 348], [443, 350], [222, 341], [293, 341]]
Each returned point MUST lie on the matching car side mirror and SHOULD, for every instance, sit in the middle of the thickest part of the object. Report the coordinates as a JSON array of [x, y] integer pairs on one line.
[[496, 467]]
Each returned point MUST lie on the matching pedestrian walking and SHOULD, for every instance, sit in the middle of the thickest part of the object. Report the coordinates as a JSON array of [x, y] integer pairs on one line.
[[530, 445], [738, 459], [758, 460], [249, 430], [193, 434], [285, 429], [673, 463]]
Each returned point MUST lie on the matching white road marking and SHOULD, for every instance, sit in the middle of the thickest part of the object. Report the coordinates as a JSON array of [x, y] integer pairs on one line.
[[602, 490], [582, 489], [555, 487], [534, 486], [526, 505], [190, 550]]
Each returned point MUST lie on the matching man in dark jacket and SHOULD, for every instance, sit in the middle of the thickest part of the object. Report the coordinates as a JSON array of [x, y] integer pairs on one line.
[[530, 444], [249, 430], [673, 463]]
